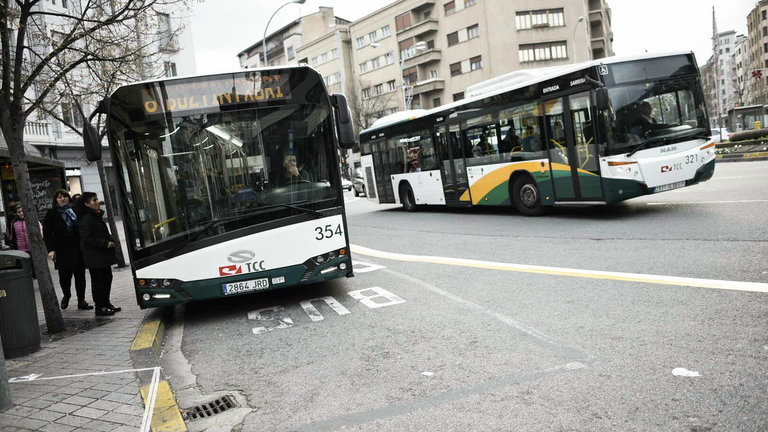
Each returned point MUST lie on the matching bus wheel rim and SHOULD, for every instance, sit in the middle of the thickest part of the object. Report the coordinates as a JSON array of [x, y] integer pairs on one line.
[[529, 196]]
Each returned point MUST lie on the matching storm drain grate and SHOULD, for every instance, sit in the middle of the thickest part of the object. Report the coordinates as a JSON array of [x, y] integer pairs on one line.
[[209, 409]]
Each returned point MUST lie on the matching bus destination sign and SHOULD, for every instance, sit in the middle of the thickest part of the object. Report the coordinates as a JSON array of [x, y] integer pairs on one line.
[[221, 91]]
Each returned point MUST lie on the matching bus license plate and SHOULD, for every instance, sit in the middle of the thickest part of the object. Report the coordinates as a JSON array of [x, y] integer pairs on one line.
[[670, 186], [245, 286]]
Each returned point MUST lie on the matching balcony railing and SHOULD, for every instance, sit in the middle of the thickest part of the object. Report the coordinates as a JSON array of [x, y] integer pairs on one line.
[[420, 28], [36, 129], [424, 57], [430, 85]]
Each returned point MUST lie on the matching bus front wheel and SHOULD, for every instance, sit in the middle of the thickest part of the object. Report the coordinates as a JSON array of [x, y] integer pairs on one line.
[[407, 199], [526, 197]]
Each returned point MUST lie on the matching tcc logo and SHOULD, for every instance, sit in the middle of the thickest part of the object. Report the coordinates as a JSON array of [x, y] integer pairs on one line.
[[230, 270], [666, 168]]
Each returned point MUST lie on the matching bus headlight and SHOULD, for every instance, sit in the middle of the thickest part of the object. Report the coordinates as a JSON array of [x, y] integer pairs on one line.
[[146, 297]]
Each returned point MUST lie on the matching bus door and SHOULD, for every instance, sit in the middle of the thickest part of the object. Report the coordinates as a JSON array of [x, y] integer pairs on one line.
[[572, 149], [452, 166]]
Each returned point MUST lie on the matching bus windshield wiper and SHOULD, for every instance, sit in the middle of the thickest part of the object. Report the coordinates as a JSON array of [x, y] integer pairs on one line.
[[210, 224], [294, 207]]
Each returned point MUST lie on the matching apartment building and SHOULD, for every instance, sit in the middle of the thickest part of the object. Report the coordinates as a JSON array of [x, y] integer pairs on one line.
[[757, 66], [439, 49]]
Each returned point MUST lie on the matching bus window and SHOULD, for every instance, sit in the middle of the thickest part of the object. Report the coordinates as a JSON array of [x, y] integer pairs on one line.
[[521, 129], [484, 143]]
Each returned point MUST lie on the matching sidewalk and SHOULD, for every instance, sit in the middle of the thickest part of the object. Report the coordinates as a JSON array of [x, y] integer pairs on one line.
[[91, 401]]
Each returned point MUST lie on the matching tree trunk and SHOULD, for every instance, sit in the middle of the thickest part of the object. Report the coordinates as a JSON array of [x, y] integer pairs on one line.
[[53, 318], [110, 213]]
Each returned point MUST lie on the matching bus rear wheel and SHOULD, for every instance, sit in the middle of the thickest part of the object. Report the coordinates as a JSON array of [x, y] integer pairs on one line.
[[526, 197], [407, 199]]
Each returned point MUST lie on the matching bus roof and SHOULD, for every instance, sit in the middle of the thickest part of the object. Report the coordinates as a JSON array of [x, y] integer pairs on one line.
[[519, 79]]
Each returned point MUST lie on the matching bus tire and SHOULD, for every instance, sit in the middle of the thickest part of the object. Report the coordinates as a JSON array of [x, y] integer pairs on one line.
[[406, 198], [526, 197]]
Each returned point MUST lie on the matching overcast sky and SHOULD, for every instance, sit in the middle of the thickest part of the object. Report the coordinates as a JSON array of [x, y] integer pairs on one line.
[[223, 28]]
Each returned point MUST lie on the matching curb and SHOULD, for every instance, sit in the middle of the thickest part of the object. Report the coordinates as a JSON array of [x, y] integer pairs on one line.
[[742, 157], [145, 355]]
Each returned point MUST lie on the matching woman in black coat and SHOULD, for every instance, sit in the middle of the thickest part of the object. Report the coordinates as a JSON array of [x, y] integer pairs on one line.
[[62, 239], [98, 247]]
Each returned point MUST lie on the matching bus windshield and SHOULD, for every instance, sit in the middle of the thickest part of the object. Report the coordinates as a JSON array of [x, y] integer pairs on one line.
[[655, 111], [186, 173]]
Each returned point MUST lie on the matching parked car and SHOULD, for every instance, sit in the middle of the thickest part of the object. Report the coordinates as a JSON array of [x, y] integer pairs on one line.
[[346, 184], [719, 135], [359, 185]]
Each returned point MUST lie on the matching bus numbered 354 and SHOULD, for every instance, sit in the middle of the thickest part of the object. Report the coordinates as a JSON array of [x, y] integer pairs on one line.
[[598, 132], [228, 183]]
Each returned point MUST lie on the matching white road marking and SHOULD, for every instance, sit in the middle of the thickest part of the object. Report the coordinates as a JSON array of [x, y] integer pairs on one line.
[[36, 377], [315, 314], [367, 295], [706, 202], [146, 420], [569, 272], [363, 267]]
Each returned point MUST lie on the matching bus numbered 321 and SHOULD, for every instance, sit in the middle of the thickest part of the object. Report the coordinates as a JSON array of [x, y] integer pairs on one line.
[[229, 183], [598, 132]]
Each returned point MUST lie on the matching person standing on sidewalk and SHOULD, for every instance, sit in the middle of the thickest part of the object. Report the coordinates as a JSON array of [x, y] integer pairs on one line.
[[98, 248], [62, 239], [20, 236]]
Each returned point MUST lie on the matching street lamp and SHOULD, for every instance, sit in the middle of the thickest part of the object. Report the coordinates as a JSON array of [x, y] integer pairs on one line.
[[264, 41], [408, 53], [342, 76], [581, 19]]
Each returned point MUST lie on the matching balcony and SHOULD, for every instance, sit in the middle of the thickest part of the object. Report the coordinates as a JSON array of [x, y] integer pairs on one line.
[[36, 129], [427, 86], [595, 16], [424, 57], [418, 29]]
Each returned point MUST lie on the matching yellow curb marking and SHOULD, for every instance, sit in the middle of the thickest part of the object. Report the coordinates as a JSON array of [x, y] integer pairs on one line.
[[559, 271], [166, 415], [147, 336]]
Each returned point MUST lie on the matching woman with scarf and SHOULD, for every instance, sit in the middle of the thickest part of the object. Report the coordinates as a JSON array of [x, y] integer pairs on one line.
[[98, 247], [62, 239]]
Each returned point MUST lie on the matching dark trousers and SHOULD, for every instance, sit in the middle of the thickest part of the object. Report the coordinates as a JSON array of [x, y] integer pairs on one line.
[[101, 285], [65, 280]]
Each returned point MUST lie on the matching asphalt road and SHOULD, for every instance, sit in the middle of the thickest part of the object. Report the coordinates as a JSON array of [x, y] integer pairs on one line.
[[585, 319]]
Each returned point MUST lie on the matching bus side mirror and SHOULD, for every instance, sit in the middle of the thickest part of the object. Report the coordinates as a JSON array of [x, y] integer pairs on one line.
[[344, 121], [602, 99], [92, 144]]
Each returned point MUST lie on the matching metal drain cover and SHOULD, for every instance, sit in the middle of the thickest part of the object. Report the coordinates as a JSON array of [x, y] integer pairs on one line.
[[209, 409]]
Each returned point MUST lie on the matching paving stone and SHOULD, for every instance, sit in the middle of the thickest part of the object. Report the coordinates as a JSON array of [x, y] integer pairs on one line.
[[72, 420], [56, 427], [100, 425], [125, 419], [91, 413], [63, 408], [119, 397], [129, 409], [95, 394], [46, 415], [79, 400], [54, 397], [20, 411], [37, 403], [105, 405]]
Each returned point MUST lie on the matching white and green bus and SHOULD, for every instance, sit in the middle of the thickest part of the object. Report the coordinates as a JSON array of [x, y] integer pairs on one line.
[[229, 183], [597, 132]]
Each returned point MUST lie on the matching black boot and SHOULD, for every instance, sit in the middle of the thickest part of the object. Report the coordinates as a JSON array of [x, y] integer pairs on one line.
[[114, 308], [65, 302], [83, 305], [104, 311]]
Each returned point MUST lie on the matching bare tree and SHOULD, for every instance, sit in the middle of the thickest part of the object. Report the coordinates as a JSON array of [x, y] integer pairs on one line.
[[48, 55], [366, 106]]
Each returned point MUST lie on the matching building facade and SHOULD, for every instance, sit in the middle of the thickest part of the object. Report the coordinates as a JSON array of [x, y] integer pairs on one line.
[[439, 49], [172, 54]]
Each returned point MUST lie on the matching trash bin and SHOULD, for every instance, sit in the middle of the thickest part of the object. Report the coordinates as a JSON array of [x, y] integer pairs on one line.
[[19, 328]]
